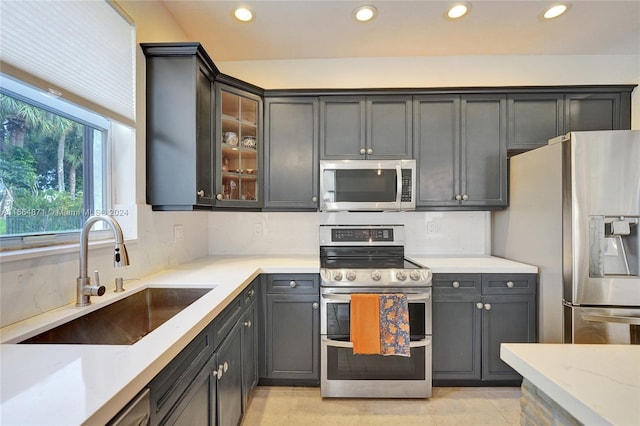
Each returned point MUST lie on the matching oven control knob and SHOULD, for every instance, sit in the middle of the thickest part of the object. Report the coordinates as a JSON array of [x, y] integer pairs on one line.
[[375, 275], [415, 275], [351, 275], [337, 276], [401, 275]]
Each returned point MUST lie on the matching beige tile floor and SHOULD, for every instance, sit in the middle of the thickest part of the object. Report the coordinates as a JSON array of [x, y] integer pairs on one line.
[[288, 406]]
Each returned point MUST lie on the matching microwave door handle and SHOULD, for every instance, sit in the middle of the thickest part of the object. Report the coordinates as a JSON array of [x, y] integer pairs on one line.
[[398, 184]]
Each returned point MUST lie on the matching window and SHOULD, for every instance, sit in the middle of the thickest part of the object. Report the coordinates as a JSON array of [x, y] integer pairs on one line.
[[67, 105], [52, 166]]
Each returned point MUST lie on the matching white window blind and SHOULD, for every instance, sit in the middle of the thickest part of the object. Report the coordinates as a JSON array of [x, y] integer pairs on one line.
[[84, 49]]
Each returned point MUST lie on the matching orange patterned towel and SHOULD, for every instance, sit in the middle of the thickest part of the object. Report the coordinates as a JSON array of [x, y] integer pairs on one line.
[[365, 323]]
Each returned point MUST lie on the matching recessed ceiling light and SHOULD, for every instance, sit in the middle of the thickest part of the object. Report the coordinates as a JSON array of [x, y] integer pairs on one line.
[[458, 10], [243, 14], [365, 13], [555, 11]]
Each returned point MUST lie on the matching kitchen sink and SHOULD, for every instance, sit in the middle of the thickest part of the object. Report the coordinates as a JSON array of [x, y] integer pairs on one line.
[[123, 322]]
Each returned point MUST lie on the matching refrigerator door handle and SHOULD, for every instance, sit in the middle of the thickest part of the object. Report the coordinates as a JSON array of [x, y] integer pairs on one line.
[[611, 318]]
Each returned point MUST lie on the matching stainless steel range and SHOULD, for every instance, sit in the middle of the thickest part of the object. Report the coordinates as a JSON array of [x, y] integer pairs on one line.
[[370, 259]]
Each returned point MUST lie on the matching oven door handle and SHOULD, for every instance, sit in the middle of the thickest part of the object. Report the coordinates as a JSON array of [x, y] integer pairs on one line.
[[342, 344], [611, 318], [398, 184], [347, 297]]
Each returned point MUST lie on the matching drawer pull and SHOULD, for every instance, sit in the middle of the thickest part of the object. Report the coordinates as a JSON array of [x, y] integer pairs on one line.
[[510, 284], [455, 284], [293, 284]]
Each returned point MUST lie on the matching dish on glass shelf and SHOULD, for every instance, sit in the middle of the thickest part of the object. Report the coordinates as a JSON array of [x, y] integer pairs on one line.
[[249, 142], [230, 138]]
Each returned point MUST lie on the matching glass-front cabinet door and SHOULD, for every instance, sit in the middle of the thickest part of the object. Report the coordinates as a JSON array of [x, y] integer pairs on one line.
[[240, 146]]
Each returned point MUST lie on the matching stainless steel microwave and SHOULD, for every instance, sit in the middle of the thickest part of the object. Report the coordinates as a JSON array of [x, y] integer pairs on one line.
[[367, 185]]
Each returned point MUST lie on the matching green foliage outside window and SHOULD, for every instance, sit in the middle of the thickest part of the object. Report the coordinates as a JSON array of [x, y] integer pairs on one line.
[[41, 170]]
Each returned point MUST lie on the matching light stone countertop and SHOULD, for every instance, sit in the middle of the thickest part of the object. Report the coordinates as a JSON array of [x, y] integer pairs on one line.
[[76, 384], [597, 384]]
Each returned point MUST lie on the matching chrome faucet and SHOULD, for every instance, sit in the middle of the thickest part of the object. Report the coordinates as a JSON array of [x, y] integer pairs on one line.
[[84, 288]]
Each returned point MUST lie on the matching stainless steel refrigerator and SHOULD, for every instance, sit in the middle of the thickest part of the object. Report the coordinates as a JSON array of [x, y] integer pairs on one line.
[[574, 208]]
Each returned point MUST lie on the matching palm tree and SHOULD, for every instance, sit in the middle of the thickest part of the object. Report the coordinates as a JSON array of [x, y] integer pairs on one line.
[[73, 157]]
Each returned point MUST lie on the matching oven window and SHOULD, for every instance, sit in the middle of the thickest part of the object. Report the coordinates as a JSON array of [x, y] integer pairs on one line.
[[338, 321], [366, 185], [342, 364]]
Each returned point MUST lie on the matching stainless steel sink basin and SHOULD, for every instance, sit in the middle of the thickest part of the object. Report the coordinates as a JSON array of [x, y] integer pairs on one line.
[[123, 322]]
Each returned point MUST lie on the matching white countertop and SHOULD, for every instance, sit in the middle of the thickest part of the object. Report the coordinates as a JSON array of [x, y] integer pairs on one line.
[[75, 384], [597, 384]]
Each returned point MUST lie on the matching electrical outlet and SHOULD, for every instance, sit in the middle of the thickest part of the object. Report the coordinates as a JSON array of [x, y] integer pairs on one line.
[[431, 228], [257, 229], [178, 232]]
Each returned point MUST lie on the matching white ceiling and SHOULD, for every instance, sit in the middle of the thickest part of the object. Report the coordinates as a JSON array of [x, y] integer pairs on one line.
[[298, 29]]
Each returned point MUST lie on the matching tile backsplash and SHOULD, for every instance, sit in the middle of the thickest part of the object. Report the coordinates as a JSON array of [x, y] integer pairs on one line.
[[429, 233]]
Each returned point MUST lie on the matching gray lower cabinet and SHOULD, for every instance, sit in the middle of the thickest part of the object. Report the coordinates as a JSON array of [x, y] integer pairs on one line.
[[460, 146], [365, 127], [291, 153], [210, 381], [229, 392], [249, 324], [292, 329], [472, 315]]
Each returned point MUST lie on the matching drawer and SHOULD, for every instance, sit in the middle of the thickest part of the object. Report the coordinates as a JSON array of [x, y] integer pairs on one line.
[[167, 387], [451, 284], [223, 323], [293, 283], [509, 283], [250, 294]]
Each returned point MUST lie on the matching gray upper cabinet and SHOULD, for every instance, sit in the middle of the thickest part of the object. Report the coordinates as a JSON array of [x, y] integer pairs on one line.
[[371, 127], [460, 144], [238, 147], [291, 152], [592, 111], [179, 126], [533, 119]]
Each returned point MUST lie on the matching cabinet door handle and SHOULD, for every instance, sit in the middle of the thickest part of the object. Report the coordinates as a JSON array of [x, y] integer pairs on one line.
[[315, 305], [455, 284], [200, 193], [314, 199], [218, 196], [362, 151], [247, 324], [510, 284], [479, 305], [487, 306], [458, 197], [465, 197], [370, 151], [220, 372], [226, 366], [293, 284]]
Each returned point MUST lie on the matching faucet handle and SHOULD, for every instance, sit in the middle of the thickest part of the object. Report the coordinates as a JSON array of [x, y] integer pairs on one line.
[[96, 274]]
